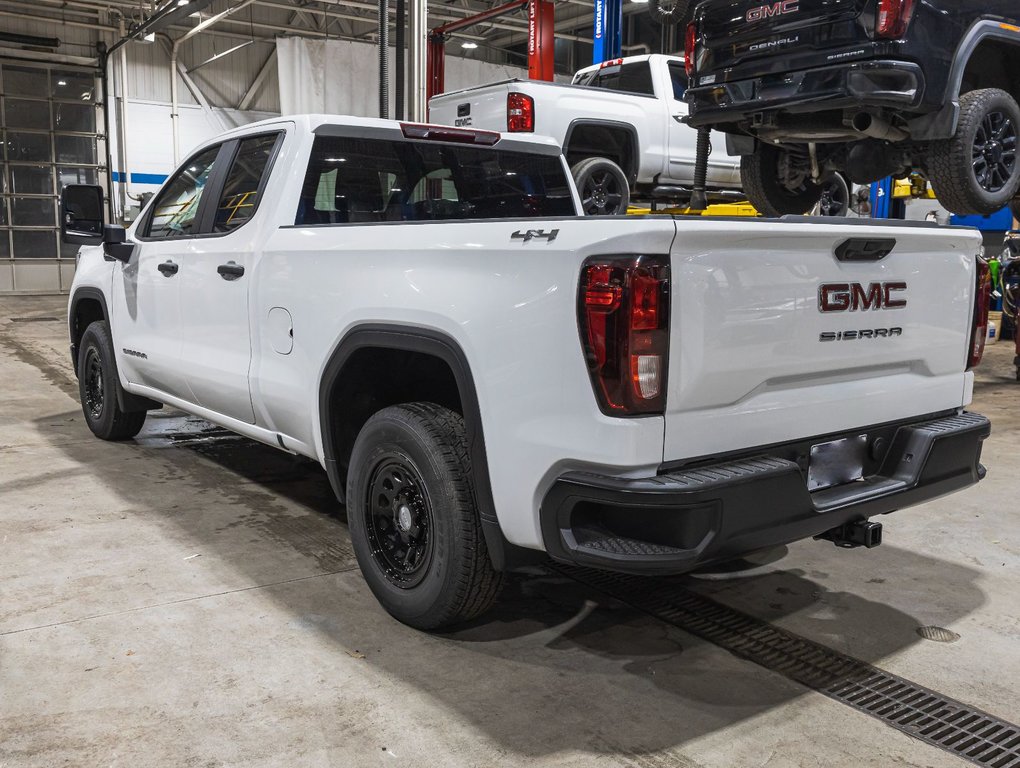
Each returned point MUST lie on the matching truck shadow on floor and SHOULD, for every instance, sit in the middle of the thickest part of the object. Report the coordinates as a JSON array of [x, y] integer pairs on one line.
[[556, 666]]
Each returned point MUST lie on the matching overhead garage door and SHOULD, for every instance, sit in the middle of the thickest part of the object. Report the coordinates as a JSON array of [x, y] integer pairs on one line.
[[49, 122]]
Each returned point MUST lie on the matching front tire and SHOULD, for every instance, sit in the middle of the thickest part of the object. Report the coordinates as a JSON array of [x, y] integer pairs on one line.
[[976, 171], [413, 519], [602, 185], [775, 182], [99, 387]]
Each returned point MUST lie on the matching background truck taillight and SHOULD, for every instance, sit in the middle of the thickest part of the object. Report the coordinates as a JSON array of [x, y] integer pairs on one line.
[[624, 319], [520, 113], [690, 41], [892, 18], [979, 327]]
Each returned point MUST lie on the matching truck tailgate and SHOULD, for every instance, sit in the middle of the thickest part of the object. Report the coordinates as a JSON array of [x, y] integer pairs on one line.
[[754, 360]]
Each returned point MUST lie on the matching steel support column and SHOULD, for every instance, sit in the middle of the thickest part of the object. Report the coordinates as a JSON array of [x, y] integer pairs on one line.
[[607, 35], [541, 40]]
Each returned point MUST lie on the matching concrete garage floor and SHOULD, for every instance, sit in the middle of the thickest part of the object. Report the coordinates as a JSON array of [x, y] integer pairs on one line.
[[191, 598]]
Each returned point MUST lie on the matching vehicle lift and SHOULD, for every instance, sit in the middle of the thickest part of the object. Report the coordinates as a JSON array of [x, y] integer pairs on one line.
[[541, 40]]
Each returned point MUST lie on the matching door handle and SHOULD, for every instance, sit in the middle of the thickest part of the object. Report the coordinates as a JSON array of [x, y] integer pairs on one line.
[[230, 271], [168, 268]]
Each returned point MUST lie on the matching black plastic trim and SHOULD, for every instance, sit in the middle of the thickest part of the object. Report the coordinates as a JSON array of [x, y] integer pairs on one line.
[[731, 507], [442, 346]]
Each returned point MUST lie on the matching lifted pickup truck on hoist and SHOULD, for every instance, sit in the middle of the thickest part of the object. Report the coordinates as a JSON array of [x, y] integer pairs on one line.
[[486, 374]]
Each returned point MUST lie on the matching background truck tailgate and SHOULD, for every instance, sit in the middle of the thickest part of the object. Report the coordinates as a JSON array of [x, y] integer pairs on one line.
[[747, 364]]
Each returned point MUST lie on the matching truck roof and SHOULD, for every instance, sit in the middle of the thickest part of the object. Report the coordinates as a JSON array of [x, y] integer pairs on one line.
[[630, 60], [371, 127]]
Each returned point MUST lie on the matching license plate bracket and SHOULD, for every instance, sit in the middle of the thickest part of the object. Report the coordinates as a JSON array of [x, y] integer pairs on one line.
[[837, 462]]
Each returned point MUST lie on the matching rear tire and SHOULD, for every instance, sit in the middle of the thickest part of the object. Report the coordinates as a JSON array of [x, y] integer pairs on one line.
[[773, 184], [602, 185], [413, 519], [977, 170], [99, 387], [835, 197]]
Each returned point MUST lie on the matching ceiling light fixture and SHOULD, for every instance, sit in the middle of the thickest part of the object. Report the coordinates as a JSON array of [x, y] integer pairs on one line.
[[469, 45]]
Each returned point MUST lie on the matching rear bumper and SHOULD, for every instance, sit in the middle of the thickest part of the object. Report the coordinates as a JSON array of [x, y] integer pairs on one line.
[[676, 521], [870, 84]]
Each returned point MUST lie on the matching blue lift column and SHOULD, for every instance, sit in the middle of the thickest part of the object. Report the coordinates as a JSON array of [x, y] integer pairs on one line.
[[608, 33], [881, 198]]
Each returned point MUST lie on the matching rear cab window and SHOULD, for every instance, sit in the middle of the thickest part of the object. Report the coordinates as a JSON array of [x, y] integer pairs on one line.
[[632, 77], [369, 181]]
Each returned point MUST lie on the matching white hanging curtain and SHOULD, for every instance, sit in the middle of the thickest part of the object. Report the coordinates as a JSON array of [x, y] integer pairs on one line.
[[342, 77]]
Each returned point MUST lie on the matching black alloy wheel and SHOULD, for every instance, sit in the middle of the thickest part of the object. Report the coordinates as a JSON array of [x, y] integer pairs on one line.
[[399, 521], [602, 185], [994, 152], [99, 387], [835, 199]]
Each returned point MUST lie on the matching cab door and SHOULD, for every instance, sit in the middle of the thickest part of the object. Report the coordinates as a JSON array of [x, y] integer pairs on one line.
[[146, 307], [215, 287]]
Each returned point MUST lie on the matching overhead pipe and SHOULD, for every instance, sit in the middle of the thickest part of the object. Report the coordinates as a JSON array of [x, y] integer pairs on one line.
[[174, 49], [384, 59]]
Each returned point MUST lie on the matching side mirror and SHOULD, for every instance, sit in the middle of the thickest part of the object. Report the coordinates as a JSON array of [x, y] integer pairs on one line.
[[115, 243], [81, 214]]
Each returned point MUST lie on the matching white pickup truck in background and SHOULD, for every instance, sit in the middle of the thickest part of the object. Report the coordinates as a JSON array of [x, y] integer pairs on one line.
[[618, 123], [487, 375]]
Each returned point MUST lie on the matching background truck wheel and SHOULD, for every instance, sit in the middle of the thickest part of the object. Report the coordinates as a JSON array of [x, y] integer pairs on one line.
[[602, 185], [777, 182], [976, 171], [99, 385], [413, 519], [835, 197]]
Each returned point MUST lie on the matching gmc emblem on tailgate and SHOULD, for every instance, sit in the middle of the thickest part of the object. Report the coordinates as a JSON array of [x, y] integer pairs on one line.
[[854, 297], [774, 9]]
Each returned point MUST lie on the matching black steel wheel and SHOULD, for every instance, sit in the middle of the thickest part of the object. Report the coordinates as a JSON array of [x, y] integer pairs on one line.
[[398, 521], [602, 185], [977, 170], [414, 519], [99, 387]]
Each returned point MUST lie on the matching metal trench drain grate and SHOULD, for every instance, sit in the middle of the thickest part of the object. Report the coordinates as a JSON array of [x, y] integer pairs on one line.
[[957, 728]]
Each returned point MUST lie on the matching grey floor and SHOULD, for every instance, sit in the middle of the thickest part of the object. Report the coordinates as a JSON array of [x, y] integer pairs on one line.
[[190, 598]]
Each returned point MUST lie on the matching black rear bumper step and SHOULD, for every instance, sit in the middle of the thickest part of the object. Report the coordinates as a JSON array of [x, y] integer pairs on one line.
[[679, 520]]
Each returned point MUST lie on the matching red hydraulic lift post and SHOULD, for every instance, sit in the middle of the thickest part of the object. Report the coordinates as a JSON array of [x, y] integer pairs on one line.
[[541, 38]]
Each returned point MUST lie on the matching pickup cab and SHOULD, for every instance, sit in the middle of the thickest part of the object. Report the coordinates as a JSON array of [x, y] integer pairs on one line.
[[619, 123], [487, 376]]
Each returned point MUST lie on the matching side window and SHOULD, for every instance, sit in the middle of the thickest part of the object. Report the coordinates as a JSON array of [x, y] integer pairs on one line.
[[679, 79], [240, 195], [175, 210]]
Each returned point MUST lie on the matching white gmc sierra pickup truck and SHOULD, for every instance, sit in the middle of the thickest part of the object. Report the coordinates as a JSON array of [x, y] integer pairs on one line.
[[486, 374], [618, 123]]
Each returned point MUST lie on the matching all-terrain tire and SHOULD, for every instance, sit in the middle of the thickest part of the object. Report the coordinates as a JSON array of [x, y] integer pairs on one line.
[[760, 178], [977, 171], [413, 517], [602, 185], [99, 387]]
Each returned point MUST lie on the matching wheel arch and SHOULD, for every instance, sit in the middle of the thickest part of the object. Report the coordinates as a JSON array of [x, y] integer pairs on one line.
[[629, 153], [417, 341], [982, 35], [87, 305]]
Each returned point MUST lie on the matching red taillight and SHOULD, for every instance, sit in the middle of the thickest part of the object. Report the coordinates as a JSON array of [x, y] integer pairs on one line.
[[520, 113], [690, 41], [624, 318], [892, 18], [445, 133], [979, 327]]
